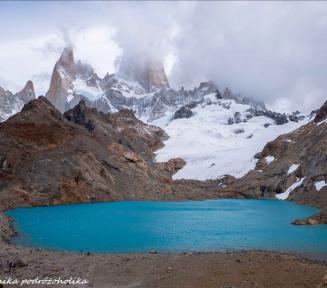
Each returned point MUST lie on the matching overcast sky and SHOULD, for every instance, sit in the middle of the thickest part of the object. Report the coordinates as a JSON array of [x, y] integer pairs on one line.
[[273, 51]]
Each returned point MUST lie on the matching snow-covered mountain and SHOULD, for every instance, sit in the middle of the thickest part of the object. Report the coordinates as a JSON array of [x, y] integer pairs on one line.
[[216, 131], [144, 88], [218, 136], [11, 103], [71, 81]]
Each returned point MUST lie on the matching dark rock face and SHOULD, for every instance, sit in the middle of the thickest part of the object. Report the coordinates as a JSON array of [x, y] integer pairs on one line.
[[78, 116], [230, 121], [185, 111], [47, 159], [321, 113], [237, 117], [278, 118], [149, 73], [239, 131]]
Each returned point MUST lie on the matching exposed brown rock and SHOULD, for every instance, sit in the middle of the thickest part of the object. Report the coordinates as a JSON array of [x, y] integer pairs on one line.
[[154, 75], [148, 72], [65, 72], [47, 158], [173, 165], [320, 218]]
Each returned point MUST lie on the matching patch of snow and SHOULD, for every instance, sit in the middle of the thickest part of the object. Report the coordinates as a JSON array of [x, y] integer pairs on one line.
[[205, 138], [320, 184], [62, 72], [284, 195], [323, 121], [92, 93], [70, 98], [129, 88], [269, 159], [292, 168]]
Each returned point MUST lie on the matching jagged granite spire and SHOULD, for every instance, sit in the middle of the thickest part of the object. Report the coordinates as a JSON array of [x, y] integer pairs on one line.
[[27, 93], [149, 73], [61, 80]]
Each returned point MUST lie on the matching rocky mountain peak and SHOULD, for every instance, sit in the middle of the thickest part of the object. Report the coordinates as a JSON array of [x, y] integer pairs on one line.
[[70, 81], [154, 76], [62, 78], [39, 108], [27, 93], [149, 73], [67, 60], [11, 103], [29, 86], [81, 115], [3, 92], [37, 104]]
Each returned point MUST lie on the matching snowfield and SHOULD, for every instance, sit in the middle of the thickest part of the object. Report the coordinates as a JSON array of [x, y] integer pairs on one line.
[[80, 88], [292, 168], [269, 159], [284, 195], [320, 184], [210, 146]]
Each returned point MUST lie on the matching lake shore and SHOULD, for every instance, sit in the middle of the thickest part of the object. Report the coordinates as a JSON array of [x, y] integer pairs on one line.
[[220, 269]]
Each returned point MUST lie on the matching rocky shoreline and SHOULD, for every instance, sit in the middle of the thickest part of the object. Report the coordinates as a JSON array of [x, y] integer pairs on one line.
[[216, 269]]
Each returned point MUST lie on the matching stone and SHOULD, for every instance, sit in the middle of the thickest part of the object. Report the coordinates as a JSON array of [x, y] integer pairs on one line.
[[19, 264], [312, 221]]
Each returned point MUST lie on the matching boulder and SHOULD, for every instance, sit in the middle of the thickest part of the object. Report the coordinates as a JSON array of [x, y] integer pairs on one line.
[[173, 165], [185, 111]]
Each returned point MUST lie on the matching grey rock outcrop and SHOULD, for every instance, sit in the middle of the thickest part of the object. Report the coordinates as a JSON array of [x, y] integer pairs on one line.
[[11, 103]]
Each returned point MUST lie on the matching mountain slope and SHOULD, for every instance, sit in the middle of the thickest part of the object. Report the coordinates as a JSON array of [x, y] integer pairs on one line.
[[293, 166], [219, 136], [84, 156]]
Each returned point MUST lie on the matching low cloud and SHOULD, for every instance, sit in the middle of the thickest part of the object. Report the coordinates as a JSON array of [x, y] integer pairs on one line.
[[273, 51]]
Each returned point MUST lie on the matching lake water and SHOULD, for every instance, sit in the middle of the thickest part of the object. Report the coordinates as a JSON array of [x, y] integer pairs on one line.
[[212, 225]]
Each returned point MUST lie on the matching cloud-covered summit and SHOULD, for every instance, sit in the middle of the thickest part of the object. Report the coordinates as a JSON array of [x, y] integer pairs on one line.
[[272, 51]]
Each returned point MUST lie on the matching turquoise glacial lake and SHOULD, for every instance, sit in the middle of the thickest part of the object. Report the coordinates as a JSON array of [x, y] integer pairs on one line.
[[139, 226]]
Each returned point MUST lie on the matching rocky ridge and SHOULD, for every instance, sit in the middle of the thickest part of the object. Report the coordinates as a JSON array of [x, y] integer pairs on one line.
[[48, 158], [142, 87]]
